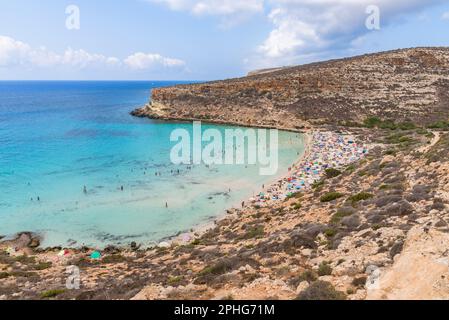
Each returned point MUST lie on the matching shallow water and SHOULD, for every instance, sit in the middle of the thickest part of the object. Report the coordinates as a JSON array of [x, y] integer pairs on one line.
[[57, 137]]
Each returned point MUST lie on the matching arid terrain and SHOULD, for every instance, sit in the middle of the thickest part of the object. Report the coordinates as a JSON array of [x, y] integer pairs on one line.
[[377, 228], [404, 85]]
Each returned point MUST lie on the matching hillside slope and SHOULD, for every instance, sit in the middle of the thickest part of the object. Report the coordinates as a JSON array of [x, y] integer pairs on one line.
[[409, 84]]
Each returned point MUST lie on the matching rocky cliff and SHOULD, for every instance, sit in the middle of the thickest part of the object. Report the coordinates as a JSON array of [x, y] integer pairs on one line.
[[410, 84]]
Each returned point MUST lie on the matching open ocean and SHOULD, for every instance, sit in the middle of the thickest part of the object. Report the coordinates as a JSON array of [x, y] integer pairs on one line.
[[57, 137]]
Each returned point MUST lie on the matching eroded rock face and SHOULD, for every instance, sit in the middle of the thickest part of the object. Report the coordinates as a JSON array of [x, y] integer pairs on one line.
[[421, 271], [404, 84]]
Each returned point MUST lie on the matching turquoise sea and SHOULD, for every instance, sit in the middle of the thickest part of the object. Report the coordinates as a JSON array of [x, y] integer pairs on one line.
[[57, 137]]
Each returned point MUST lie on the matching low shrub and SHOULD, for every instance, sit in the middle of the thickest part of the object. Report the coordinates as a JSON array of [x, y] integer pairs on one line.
[[309, 276], [324, 269], [255, 232], [331, 196], [372, 122], [359, 282], [439, 125], [340, 214], [52, 293], [115, 258], [318, 184], [43, 265], [297, 206], [321, 290], [174, 280], [332, 173], [360, 197]]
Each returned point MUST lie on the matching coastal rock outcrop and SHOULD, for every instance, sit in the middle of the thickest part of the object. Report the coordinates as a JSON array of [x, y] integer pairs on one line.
[[409, 84]]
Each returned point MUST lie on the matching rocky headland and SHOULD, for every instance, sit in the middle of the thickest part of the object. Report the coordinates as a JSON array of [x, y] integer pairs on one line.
[[374, 228]]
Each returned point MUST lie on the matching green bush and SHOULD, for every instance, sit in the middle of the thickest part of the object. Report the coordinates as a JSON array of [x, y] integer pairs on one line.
[[399, 138], [219, 268], [359, 282], [350, 168], [324, 269], [332, 173], [255, 232], [390, 152], [297, 206], [372, 122], [174, 280], [330, 232], [318, 184], [52, 293], [439, 125], [407, 126], [308, 275], [375, 122], [331, 196], [115, 258], [296, 195], [340, 214], [321, 290], [360, 197], [4, 275], [388, 124], [43, 265]]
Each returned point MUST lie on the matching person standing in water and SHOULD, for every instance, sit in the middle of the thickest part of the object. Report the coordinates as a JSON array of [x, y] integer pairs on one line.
[[85, 190]]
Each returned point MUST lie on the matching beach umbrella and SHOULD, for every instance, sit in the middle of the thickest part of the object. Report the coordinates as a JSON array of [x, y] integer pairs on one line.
[[95, 255]]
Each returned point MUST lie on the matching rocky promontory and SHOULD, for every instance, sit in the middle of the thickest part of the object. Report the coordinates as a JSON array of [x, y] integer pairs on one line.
[[404, 85]]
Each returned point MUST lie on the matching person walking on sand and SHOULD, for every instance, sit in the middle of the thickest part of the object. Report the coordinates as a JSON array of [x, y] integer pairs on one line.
[[243, 204]]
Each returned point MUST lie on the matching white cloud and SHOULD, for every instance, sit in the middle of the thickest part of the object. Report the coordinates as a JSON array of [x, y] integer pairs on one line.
[[17, 53], [214, 7], [143, 61], [231, 12], [306, 27], [445, 16], [227, 7], [14, 52]]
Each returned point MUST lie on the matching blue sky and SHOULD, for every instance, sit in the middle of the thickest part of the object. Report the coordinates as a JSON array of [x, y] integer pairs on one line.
[[202, 39]]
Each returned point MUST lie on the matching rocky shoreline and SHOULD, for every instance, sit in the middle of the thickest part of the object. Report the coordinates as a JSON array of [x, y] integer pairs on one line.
[[315, 244], [373, 228]]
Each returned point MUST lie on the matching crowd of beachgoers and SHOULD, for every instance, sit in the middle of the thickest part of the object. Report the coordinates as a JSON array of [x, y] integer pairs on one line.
[[326, 150]]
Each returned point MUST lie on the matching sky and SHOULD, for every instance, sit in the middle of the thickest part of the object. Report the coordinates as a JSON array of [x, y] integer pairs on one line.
[[202, 39]]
